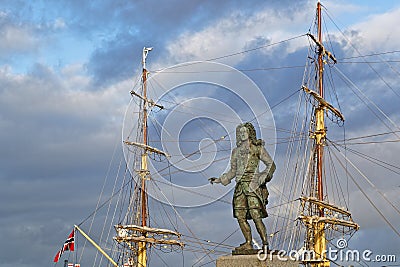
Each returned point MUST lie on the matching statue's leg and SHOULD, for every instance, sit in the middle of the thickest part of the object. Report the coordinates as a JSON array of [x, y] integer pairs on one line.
[[246, 230], [257, 215], [262, 231], [240, 211]]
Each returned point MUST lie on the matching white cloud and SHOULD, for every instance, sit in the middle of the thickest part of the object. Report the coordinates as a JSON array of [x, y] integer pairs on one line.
[[237, 32], [15, 39], [59, 23], [344, 7], [379, 32]]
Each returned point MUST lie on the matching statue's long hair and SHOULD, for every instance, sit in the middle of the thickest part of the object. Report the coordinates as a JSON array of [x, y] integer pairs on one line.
[[252, 134]]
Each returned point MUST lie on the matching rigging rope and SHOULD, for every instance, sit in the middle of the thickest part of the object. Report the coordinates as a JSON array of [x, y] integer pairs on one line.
[[370, 55], [358, 52], [366, 196], [369, 158], [338, 186], [370, 135], [177, 213], [371, 184], [106, 217], [237, 53], [99, 199], [217, 245], [369, 100]]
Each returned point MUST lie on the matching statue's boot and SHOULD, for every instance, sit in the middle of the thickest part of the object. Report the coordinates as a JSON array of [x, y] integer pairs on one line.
[[246, 230], [245, 246], [262, 231]]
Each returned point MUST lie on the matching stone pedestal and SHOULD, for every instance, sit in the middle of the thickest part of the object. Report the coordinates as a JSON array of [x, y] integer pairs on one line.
[[253, 261]]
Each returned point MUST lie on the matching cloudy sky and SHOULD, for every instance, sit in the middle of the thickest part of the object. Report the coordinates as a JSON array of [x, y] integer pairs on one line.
[[66, 69]]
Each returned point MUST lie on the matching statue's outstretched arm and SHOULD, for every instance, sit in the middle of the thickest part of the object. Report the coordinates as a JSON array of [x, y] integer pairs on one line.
[[226, 178]]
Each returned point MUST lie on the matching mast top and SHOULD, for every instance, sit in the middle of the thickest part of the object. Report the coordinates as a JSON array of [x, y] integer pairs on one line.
[[146, 50]]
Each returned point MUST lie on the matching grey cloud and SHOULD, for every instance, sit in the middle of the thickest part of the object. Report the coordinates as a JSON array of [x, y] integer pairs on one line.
[[15, 37], [155, 25], [44, 127]]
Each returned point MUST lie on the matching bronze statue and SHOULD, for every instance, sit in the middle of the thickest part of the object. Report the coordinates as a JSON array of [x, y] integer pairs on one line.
[[251, 195]]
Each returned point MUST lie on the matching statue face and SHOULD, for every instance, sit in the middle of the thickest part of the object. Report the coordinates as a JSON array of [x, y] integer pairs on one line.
[[243, 134]]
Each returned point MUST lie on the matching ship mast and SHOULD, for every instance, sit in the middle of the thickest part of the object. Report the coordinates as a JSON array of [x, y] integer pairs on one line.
[[138, 238], [320, 133], [319, 114], [317, 213], [142, 250]]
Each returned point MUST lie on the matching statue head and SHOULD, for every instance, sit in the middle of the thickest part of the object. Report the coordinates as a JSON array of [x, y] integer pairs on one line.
[[250, 134]]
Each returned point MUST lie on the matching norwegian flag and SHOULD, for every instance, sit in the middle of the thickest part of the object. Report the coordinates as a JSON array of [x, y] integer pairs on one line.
[[68, 245]]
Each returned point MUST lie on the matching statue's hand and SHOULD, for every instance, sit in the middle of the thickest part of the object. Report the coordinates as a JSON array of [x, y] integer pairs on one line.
[[265, 177], [214, 180]]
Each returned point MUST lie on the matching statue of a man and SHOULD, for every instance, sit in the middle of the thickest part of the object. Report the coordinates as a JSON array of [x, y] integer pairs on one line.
[[251, 195]]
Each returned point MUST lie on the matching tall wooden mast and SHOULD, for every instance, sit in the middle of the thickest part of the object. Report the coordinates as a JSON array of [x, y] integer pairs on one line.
[[319, 232], [142, 249], [319, 114], [138, 238], [317, 212]]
